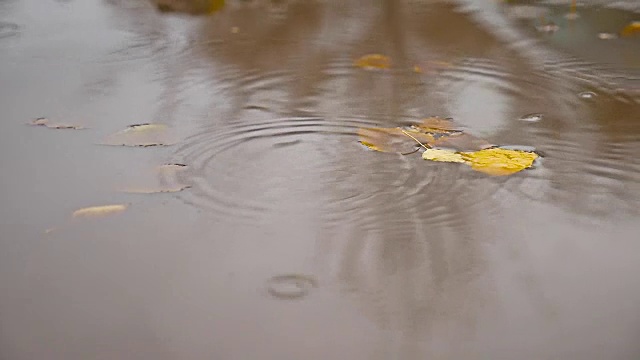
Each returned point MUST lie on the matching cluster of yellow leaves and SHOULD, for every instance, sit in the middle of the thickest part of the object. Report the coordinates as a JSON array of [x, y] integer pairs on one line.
[[467, 149]]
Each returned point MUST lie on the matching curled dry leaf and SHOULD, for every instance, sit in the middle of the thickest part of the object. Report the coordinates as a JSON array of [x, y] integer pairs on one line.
[[98, 211], [167, 179], [373, 62], [54, 125], [143, 135]]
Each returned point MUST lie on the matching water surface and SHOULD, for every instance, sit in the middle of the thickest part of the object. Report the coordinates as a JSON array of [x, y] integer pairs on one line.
[[294, 241]]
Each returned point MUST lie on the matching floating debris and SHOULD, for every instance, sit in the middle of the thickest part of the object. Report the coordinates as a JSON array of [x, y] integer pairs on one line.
[[587, 95], [99, 211], [533, 117], [607, 36], [45, 122], [290, 287], [548, 28], [142, 135]]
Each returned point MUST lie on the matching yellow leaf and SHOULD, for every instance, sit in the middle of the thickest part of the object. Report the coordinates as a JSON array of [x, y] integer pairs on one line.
[[498, 161], [631, 29], [373, 62], [442, 155], [96, 211]]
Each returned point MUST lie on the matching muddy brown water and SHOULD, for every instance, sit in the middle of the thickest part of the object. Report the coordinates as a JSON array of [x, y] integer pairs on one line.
[[294, 241]]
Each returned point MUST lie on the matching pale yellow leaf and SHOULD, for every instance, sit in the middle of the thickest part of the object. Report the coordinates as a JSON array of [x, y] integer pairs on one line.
[[442, 155], [97, 211]]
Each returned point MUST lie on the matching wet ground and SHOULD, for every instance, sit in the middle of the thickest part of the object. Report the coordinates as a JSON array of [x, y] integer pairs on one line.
[[294, 241]]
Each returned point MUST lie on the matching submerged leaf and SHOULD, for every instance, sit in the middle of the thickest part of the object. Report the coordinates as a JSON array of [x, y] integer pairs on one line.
[[194, 7], [165, 180], [373, 62], [53, 125], [437, 125], [442, 155], [499, 161], [392, 139], [142, 135], [97, 211], [431, 132], [462, 141]]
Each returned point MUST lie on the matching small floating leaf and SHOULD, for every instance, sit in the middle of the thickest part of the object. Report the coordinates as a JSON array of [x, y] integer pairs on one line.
[[53, 125], [499, 161], [142, 135], [373, 62], [98, 211], [632, 29], [442, 155]]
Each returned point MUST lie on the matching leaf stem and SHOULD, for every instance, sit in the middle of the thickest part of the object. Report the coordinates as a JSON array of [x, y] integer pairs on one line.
[[418, 141]]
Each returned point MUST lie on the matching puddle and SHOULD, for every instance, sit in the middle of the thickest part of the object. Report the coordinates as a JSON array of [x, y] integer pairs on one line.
[[263, 103]]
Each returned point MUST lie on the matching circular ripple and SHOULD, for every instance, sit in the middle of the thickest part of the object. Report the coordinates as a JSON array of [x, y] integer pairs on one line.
[[245, 172]]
